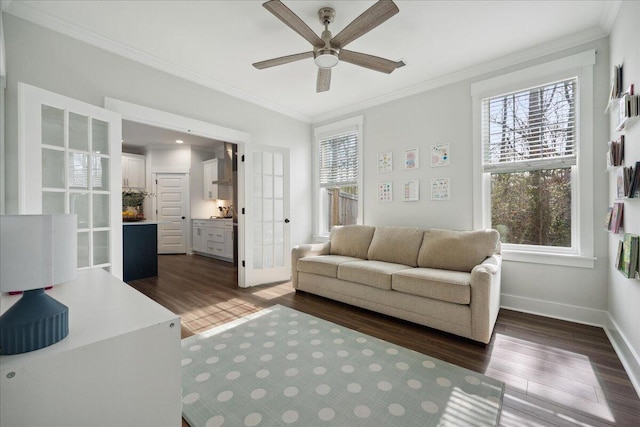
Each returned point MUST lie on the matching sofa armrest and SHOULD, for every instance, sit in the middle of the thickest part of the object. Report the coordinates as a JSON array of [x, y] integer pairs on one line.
[[485, 297], [302, 251]]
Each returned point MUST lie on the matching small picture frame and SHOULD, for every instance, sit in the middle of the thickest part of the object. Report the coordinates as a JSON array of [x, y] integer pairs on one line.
[[385, 191], [385, 162], [410, 159], [440, 155], [411, 190], [440, 189]]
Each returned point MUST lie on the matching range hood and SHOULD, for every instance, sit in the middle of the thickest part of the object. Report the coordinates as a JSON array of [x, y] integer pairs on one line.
[[225, 169]]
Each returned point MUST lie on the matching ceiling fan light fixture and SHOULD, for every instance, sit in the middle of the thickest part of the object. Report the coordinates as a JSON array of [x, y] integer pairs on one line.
[[326, 58]]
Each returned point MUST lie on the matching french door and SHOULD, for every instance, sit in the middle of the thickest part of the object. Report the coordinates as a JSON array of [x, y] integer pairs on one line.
[[171, 202], [69, 162], [267, 256]]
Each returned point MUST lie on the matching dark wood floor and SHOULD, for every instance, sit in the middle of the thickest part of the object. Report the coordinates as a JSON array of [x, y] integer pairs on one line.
[[556, 373]]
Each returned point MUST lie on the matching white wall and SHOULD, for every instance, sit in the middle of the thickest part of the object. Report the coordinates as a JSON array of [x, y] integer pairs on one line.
[[54, 62], [624, 294], [444, 115]]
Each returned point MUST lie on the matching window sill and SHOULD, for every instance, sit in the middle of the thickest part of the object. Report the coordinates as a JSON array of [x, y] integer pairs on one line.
[[565, 260]]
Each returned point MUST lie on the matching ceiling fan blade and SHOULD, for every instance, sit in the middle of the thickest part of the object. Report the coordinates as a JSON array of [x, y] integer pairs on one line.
[[369, 61], [324, 80], [370, 18], [282, 60], [283, 13]]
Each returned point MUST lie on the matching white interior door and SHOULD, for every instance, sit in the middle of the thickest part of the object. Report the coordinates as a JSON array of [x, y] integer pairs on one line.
[[69, 156], [267, 232], [172, 204]]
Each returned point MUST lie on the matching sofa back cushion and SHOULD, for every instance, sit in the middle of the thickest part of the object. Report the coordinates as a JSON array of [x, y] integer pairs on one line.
[[457, 250], [351, 240], [399, 245]]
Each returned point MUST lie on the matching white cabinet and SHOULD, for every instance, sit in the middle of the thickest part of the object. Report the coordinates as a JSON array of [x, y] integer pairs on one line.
[[213, 237], [211, 172], [133, 171], [119, 365]]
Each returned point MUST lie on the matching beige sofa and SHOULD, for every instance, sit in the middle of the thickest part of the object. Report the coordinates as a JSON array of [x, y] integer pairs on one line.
[[448, 280]]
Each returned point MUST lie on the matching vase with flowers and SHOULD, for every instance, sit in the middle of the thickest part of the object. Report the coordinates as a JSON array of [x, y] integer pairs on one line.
[[132, 205]]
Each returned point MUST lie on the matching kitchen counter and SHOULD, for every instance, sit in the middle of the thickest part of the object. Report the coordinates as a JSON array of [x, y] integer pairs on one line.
[[145, 222]]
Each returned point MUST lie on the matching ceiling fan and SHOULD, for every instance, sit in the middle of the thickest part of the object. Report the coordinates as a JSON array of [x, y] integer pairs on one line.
[[327, 50]]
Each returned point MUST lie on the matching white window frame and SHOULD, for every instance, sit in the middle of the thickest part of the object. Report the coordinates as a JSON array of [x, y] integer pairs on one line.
[[581, 66], [322, 132]]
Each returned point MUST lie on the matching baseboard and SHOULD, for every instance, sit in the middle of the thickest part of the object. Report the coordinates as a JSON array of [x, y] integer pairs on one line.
[[572, 313], [625, 352]]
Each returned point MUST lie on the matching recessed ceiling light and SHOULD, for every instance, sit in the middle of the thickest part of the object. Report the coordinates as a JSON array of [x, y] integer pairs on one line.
[[179, 141]]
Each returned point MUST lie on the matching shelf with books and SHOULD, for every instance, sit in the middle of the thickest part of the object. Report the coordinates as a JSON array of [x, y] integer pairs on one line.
[[628, 256]]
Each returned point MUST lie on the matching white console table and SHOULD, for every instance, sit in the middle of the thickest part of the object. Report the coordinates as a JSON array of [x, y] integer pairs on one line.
[[119, 365]]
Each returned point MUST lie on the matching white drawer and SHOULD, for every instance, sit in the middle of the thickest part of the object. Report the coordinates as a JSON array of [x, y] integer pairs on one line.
[[215, 248], [200, 223], [215, 234]]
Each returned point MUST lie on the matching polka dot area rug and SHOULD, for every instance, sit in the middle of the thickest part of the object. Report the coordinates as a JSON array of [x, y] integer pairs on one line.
[[281, 367]]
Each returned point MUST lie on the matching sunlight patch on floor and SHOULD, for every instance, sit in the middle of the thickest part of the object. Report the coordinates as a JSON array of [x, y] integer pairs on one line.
[[560, 377]]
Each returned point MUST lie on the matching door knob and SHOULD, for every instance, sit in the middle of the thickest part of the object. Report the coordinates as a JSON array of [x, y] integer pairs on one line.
[[183, 217], [286, 221]]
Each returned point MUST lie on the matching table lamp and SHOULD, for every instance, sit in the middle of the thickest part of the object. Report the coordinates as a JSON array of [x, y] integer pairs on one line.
[[36, 251]]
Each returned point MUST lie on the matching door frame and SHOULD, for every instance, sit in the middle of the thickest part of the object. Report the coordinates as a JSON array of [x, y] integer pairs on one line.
[[163, 119]]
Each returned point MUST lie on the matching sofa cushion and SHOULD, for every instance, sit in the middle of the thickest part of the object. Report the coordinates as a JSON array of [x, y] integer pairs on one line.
[[443, 285], [456, 250], [371, 273], [351, 240], [324, 265], [399, 245]]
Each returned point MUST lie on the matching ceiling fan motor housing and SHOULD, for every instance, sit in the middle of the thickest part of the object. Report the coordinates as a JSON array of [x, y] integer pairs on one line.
[[327, 56]]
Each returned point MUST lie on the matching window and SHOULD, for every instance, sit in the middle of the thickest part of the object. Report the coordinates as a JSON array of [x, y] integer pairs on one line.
[[534, 163], [529, 150], [338, 175]]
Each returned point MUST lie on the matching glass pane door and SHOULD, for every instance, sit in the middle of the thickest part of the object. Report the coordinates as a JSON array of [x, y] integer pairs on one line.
[[267, 245], [77, 149]]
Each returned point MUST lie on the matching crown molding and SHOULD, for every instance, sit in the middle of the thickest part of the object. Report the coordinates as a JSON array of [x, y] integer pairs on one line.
[[31, 14]]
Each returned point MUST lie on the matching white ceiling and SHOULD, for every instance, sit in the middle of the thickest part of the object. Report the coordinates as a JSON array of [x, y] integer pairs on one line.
[[137, 136], [215, 42]]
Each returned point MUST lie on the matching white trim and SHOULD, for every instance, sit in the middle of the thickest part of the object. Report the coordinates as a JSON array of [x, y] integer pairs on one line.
[[623, 348], [580, 65], [25, 11], [352, 123], [571, 313], [150, 116], [532, 257]]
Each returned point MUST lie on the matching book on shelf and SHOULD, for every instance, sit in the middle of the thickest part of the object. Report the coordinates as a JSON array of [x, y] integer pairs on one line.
[[616, 217], [607, 219], [619, 255], [620, 179], [629, 263], [634, 182], [615, 154]]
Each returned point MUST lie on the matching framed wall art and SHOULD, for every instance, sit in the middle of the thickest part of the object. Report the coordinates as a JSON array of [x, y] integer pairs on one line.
[[440, 155], [440, 189], [410, 159], [385, 191], [385, 162], [411, 190]]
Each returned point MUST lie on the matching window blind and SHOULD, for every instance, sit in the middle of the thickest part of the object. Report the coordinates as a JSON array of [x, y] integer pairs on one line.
[[338, 158], [530, 129]]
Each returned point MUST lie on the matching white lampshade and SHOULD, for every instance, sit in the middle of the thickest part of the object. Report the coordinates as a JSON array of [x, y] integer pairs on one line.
[[37, 251]]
